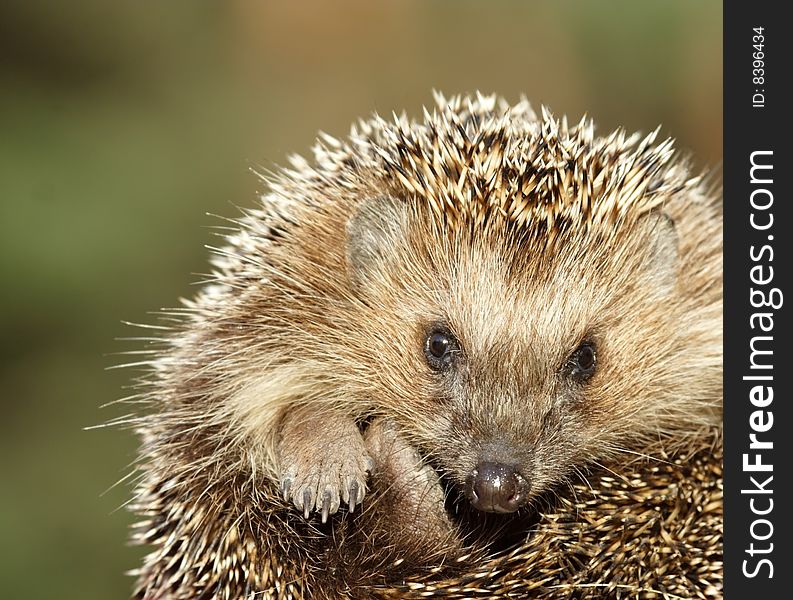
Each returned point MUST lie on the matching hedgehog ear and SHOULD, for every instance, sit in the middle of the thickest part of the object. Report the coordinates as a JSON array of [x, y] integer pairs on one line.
[[662, 248], [372, 233]]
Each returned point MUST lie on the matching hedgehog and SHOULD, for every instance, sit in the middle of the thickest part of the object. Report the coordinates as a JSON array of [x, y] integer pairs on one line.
[[415, 342]]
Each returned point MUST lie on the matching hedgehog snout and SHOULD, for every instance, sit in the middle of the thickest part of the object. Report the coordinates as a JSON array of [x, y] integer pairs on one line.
[[497, 487]]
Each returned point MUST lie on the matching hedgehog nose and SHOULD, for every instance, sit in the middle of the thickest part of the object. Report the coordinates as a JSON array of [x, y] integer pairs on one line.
[[495, 487]]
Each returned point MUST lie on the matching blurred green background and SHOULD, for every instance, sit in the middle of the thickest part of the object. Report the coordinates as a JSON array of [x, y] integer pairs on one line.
[[123, 124]]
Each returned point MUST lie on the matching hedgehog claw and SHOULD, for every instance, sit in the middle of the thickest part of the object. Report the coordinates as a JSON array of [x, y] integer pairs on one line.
[[285, 485], [352, 499], [326, 506]]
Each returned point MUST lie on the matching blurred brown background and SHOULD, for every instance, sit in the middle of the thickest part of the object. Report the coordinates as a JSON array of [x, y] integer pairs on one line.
[[122, 124]]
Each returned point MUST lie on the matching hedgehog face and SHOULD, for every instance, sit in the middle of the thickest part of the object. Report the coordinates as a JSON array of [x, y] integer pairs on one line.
[[518, 362]]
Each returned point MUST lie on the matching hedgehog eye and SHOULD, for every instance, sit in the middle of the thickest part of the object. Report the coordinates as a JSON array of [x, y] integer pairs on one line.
[[439, 349], [582, 362]]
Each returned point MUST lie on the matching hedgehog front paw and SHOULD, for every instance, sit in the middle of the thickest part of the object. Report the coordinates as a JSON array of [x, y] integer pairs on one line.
[[412, 491], [324, 463]]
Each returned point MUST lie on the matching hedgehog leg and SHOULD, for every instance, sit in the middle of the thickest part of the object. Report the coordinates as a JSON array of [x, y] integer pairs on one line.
[[322, 460], [411, 490]]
